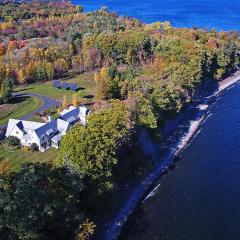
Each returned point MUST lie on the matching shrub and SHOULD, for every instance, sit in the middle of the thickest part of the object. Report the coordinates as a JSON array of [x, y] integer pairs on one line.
[[25, 149], [37, 114], [81, 93], [34, 147], [12, 141], [47, 112]]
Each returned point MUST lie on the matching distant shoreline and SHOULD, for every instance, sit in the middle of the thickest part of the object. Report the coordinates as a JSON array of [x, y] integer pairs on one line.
[[187, 14]]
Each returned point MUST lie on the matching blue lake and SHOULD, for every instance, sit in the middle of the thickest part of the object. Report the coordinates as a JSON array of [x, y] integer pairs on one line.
[[200, 199], [221, 14]]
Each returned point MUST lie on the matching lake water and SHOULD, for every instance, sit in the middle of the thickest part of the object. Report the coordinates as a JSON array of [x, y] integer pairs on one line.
[[200, 199], [221, 14]]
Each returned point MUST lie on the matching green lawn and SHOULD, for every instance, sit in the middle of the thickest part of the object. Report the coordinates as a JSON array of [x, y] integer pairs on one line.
[[18, 107], [85, 82], [19, 157]]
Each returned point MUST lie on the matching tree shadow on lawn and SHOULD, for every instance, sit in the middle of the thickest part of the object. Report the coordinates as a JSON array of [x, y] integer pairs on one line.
[[89, 104], [80, 88], [90, 96], [18, 99], [23, 89]]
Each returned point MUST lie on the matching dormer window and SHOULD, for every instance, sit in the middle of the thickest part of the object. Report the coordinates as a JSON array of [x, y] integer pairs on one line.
[[50, 132]]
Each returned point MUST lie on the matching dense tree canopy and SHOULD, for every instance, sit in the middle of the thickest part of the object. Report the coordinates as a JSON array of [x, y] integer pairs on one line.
[[40, 41], [41, 202], [91, 151]]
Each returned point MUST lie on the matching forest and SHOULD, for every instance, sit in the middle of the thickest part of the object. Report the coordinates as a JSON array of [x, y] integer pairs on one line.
[[144, 74]]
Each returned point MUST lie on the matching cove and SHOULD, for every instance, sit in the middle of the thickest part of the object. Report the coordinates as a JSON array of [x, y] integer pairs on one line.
[[200, 198]]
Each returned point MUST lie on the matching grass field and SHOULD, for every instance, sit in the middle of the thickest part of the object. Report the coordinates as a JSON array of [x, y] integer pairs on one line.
[[85, 82], [18, 107], [16, 158]]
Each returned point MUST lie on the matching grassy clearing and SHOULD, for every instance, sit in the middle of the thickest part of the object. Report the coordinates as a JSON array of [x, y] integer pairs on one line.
[[18, 107], [85, 82], [16, 158]]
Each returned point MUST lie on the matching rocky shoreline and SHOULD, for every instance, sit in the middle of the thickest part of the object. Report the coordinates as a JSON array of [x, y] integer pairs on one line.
[[187, 127]]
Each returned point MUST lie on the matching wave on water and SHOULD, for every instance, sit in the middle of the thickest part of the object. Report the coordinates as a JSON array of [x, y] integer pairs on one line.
[[207, 117], [152, 193]]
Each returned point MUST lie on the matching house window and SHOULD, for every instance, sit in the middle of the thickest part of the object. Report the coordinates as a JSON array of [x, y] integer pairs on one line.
[[17, 132]]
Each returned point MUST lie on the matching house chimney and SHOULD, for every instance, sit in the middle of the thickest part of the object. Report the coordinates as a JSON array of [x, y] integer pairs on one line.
[[49, 118]]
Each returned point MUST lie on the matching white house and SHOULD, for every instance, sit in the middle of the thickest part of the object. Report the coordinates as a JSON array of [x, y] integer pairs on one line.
[[48, 134]]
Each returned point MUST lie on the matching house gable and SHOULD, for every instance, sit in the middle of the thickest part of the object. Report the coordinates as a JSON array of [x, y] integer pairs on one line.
[[16, 132]]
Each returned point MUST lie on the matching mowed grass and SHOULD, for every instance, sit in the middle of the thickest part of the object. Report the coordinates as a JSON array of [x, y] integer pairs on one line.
[[18, 107], [85, 81], [19, 157]]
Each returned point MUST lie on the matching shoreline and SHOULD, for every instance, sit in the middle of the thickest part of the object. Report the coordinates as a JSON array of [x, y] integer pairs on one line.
[[137, 195], [229, 81]]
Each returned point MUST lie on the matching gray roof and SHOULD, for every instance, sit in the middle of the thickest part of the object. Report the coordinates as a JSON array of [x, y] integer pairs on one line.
[[51, 127], [50, 131], [76, 112], [72, 119]]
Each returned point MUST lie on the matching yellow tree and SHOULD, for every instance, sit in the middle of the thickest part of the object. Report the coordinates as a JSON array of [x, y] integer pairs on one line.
[[30, 71], [166, 25], [157, 68], [35, 53], [104, 72], [4, 167], [96, 77], [129, 56], [2, 71], [61, 66], [85, 230], [75, 100], [64, 102], [70, 50], [11, 46], [49, 70], [7, 71], [153, 26], [77, 63], [101, 81], [48, 54], [22, 76]]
